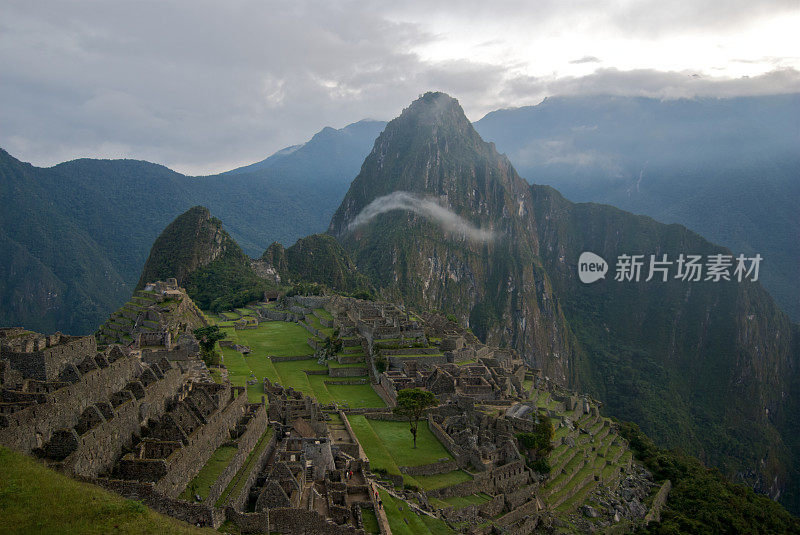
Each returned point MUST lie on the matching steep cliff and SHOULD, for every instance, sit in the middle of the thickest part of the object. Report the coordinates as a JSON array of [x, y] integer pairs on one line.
[[495, 282], [709, 367]]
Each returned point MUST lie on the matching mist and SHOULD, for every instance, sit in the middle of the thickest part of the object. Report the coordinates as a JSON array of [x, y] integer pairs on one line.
[[402, 200]]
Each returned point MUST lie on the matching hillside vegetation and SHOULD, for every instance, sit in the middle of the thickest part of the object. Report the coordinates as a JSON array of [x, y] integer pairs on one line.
[[35, 499], [75, 236], [200, 254]]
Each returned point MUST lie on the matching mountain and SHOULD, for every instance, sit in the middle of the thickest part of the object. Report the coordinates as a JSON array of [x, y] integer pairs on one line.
[[77, 234], [728, 169], [195, 250], [330, 154], [318, 258], [709, 367]]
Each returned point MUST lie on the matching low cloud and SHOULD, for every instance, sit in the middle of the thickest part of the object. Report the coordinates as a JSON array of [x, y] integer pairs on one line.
[[652, 83], [402, 200], [585, 59]]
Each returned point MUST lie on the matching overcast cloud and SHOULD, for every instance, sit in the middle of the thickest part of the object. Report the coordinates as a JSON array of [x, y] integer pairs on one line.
[[206, 86]]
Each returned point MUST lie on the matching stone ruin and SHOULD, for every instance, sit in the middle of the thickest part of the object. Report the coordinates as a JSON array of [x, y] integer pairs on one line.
[[129, 421], [159, 316], [137, 421]]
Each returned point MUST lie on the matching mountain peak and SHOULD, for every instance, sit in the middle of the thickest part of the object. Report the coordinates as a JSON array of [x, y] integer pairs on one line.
[[435, 107], [432, 150], [194, 239]]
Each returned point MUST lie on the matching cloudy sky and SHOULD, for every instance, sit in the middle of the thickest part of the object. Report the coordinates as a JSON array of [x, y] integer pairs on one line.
[[204, 87]]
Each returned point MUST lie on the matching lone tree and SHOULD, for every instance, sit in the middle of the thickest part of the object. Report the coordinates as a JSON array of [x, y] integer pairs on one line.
[[412, 403], [207, 337], [538, 444]]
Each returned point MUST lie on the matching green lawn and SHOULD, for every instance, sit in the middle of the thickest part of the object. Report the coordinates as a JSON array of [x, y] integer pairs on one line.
[[288, 339], [314, 322], [370, 520], [527, 384], [355, 396], [202, 482], [388, 446], [322, 313], [443, 480], [215, 374], [404, 521], [379, 456], [292, 373], [34, 499], [397, 439], [240, 368], [274, 338]]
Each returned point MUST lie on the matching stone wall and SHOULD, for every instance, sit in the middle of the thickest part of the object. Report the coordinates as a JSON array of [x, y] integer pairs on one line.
[[310, 301], [361, 454], [185, 463], [431, 469], [288, 358], [100, 446], [410, 351], [350, 371], [31, 427], [300, 521], [454, 449], [248, 522], [313, 330], [44, 361], [240, 502], [255, 429], [431, 360], [654, 514], [529, 508], [174, 355], [277, 315], [464, 488]]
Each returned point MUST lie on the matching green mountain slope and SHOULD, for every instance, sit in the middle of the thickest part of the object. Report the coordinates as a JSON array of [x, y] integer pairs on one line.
[[77, 234], [708, 367], [317, 258], [205, 260]]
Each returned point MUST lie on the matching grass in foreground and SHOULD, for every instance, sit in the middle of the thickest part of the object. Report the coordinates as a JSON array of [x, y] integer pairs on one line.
[[34, 499]]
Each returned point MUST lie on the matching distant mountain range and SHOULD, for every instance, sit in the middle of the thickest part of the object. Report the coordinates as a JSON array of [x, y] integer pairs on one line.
[[76, 235], [79, 232], [728, 169]]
